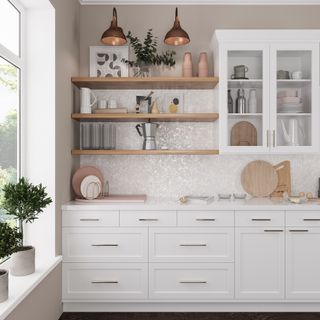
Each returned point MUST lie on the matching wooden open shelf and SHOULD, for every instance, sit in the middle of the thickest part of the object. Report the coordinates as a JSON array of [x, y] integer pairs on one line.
[[146, 83], [145, 152], [191, 117]]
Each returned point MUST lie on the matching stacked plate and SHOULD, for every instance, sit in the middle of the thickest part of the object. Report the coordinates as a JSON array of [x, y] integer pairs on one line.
[[87, 183], [289, 102]]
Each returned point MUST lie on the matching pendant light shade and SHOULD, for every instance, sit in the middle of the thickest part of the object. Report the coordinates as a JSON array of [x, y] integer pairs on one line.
[[176, 36], [114, 36]]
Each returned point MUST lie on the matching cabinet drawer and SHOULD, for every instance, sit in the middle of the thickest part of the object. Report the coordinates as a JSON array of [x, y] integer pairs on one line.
[[148, 218], [259, 218], [90, 219], [105, 244], [191, 244], [191, 281], [99, 281], [303, 218], [205, 218]]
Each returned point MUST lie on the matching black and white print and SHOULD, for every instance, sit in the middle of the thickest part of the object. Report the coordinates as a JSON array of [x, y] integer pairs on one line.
[[107, 61]]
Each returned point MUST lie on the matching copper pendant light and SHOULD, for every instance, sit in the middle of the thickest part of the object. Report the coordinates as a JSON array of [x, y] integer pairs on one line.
[[114, 36], [176, 36]]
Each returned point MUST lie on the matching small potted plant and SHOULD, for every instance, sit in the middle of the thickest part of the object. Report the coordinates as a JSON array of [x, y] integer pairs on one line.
[[147, 56], [24, 201], [9, 243]]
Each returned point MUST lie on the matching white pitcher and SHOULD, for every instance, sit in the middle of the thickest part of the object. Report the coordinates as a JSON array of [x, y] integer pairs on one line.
[[291, 136], [85, 100]]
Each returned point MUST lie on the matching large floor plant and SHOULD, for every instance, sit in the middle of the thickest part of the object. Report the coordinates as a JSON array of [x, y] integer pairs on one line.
[[24, 201]]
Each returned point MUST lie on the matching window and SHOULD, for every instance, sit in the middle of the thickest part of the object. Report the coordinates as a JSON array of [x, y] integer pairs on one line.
[[10, 90]]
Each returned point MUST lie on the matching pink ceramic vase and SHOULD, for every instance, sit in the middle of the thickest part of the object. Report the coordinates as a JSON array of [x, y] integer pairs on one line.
[[187, 65], [203, 69]]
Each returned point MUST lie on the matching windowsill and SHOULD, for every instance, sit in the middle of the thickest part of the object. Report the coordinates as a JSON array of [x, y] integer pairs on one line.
[[20, 287]]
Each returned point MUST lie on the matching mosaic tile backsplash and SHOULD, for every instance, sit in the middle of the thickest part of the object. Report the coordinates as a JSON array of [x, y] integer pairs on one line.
[[173, 176]]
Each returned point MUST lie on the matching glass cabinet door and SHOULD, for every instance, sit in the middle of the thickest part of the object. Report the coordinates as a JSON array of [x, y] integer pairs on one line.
[[294, 97], [245, 98]]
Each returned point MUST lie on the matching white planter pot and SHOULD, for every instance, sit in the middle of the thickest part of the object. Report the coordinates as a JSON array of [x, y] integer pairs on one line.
[[23, 262], [3, 285]]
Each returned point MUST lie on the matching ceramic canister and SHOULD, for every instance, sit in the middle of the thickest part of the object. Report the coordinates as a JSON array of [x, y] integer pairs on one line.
[[203, 69], [187, 65]]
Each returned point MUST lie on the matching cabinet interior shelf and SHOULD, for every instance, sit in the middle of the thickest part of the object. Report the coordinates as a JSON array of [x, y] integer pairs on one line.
[[146, 152], [146, 83], [187, 117]]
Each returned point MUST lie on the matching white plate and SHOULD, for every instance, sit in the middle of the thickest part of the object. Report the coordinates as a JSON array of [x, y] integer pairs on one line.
[[90, 187]]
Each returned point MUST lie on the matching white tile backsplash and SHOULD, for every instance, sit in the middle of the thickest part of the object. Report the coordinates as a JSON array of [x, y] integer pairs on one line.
[[173, 176]]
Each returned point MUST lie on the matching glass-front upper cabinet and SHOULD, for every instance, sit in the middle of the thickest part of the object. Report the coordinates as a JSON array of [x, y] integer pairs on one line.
[[245, 98], [294, 86]]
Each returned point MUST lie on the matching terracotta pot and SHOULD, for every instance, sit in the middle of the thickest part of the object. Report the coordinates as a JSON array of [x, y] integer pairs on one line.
[[203, 69], [4, 281], [187, 65], [23, 262]]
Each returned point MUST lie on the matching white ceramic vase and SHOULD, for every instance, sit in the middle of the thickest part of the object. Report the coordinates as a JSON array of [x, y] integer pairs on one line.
[[23, 262], [4, 281], [253, 101]]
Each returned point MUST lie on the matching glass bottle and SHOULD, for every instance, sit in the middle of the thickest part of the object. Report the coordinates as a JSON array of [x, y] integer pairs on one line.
[[230, 102]]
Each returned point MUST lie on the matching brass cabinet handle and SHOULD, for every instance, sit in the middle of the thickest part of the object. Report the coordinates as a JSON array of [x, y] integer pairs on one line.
[[148, 219], [274, 138], [260, 219], [268, 135], [193, 245], [90, 219], [299, 230], [273, 230], [311, 219], [195, 281], [104, 281], [105, 245], [205, 219]]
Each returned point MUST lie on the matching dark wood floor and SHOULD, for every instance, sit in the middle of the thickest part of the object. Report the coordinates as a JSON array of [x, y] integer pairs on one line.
[[190, 316]]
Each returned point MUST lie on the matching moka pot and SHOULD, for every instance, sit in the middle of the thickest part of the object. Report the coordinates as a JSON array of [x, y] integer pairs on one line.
[[149, 130]]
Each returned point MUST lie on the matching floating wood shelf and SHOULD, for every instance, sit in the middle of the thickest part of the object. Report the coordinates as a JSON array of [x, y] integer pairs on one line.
[[146, 83], [145, 152], [191, 117]]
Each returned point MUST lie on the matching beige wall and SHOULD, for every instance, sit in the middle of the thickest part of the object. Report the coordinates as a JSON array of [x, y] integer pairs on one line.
[[43, 303], [199, 21]]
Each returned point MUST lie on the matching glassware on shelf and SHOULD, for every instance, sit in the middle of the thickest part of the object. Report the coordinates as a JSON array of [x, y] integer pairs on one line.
[[241, 103], [230, 102]]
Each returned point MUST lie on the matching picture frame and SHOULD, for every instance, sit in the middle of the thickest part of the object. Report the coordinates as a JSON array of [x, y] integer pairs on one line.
[[106, 61], [177, 100]]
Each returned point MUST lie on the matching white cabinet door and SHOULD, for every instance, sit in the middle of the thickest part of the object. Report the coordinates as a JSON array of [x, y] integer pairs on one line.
[[254, 56], [303, 263], [259, 263], [294, 102]]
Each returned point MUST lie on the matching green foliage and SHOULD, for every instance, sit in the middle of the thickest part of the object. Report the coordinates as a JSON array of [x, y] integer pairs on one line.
[[24, 201], [10, 240], [146, 52], [8, 76]]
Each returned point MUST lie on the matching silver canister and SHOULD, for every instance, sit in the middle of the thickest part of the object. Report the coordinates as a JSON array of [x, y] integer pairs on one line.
[[241, 103]]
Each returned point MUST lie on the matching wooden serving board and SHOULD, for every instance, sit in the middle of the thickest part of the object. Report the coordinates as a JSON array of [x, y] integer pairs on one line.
[[284, 179], [243, 133], [259, 178], [117, 198]]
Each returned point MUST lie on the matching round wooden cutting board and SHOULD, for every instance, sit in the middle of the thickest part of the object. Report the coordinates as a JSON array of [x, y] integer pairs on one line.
[[259, 178]]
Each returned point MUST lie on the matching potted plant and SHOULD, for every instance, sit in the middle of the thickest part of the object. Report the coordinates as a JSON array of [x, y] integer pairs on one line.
[[9, 243], [24, 201], [146, 55]]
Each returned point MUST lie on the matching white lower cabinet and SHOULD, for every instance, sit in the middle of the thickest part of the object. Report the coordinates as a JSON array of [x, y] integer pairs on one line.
[[101, 281], [259, 263], [303, 263], [194, 281]]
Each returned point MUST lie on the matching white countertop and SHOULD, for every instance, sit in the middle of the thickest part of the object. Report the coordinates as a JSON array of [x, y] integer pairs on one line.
[[166, 204]]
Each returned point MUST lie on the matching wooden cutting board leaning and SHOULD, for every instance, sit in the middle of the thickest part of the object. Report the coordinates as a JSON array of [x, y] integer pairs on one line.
[[243, 133], [284, 179]]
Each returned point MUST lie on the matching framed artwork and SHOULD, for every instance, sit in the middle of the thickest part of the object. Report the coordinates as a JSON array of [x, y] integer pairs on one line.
[[106, 61], [174, 103]]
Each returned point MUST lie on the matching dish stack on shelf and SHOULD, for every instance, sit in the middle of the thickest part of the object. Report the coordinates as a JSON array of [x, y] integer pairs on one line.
[[289, 101]]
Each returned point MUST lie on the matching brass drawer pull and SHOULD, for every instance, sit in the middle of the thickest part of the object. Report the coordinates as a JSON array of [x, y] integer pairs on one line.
[[205, 219], [105, 245], [301, 230], [106, 281], [200, 281], [273, 230], [148, 219], [193, 245], [260, 219], [89, 219], [307, 219]]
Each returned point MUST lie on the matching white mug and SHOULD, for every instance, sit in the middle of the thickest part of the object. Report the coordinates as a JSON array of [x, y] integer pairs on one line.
[[102, 104], [85, 100], [296, 75], [112, 103]]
